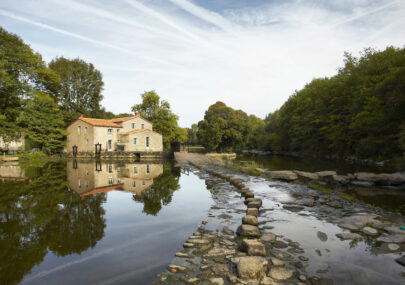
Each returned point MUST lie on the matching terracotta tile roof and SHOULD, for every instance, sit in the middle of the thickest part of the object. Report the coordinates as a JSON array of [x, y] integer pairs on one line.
[[122, 119], [100, 122], [103, 189], [136, 131]]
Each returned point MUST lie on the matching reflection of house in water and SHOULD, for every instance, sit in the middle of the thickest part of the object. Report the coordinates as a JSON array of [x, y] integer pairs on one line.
[[11, 172], [87, 178]]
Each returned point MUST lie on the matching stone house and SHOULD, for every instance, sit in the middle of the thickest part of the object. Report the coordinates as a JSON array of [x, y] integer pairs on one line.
[[86, 178], [132, 134]]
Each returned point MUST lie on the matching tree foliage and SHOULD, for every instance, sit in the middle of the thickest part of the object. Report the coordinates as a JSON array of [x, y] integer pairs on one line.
[[43, 124], [23, 73], [164, 120], [360, 111], [80, 88], [225, 129]]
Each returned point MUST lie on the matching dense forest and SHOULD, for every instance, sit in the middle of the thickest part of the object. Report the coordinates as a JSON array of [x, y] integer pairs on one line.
[[40, 100], [358, 112]]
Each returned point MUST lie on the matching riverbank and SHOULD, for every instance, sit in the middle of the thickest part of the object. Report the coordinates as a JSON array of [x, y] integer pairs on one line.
[[381, 231]]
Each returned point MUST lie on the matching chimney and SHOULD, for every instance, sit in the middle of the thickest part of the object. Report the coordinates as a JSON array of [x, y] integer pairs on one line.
[[137, 114]]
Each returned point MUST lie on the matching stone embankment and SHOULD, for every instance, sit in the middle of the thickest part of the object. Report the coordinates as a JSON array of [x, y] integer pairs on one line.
[[358, 178]]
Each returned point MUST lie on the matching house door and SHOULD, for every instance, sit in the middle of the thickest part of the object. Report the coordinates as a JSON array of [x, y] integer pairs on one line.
[[147, 142], [109, 145]]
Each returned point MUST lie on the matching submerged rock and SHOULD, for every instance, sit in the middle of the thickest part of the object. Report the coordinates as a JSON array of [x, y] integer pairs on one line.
[[401, 260], [268, 237], [308, 175], [393, 246], [281, 273], [322, 236], [370, 231], [398, 238], [348, 236]]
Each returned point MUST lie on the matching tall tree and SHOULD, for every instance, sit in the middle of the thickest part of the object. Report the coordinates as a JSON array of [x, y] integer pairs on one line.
[[163, 119], [22, 74], [43, 124], [81, 87], [223, 128]]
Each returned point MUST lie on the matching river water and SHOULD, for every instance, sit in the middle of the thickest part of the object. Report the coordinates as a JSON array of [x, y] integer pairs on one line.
[[92, 222], [95, 222]]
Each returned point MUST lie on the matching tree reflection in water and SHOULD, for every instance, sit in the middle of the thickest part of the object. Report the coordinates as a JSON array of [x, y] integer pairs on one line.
[[161, 192], [43, 216]]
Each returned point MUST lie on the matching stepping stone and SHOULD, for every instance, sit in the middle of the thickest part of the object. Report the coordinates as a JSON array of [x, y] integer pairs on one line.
[[252, 212], [253, 247], [248, 231], [250, 220]]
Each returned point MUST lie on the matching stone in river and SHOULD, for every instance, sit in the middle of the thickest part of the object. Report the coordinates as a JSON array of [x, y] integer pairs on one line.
[[401, 260], [308, 175], [393, 246], [256, 205], [370, 231], [283, 175], [252, 212], [251, 267], [220, 269], [176, 268], [253, 247], [268, 237], [250, 220], [322, 236], [349, 236], [216, 281], [281, 273], [249, 200], [326, 173], [248, 231], [277, 262], [293, 208], [392, 238], [249, 195]]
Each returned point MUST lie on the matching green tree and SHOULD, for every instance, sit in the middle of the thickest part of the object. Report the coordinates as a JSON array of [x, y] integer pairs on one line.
[[223, 128], [43, 124], [163, 119], [80, 88], [23, 73], [192, 135]]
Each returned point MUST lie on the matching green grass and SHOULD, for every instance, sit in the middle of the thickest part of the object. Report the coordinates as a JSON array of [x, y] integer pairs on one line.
[[320, 188]]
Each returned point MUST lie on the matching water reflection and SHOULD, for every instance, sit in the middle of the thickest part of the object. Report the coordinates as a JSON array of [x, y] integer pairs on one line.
[[43, 216], [59, 209]]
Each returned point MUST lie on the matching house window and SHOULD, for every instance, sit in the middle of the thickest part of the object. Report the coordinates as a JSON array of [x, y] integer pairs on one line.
[[133, 125], [19, 143], [110, 132], [87, 141], [142, 126], [1, 143], [147, 168], [79, 130], [13, 143], [80, 183], [118, 130], [110, 180], [87, 184], [85, 130], [143, 182], [134, 140], [109, 168], [133, 183], [147, 141], [118, 180], [135, 169]]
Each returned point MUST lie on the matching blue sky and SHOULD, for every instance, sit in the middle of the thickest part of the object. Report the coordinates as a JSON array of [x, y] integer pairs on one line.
[[252, 55]]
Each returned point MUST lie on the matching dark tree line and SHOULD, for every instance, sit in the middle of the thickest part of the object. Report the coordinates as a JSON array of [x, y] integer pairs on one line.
[[360, 111]]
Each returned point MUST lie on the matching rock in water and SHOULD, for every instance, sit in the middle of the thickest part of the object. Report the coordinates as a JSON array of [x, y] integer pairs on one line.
[[401, 260], [322, 236], [253, 247], [370, 231], [282, 175], [248, 231], [251, 267], [268, 237], [350, 236], [252, 212], [250, 220], [281, 273]]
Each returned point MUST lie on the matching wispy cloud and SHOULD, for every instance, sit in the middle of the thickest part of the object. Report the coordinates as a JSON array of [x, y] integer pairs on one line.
[[204, 14], [80, 37]]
